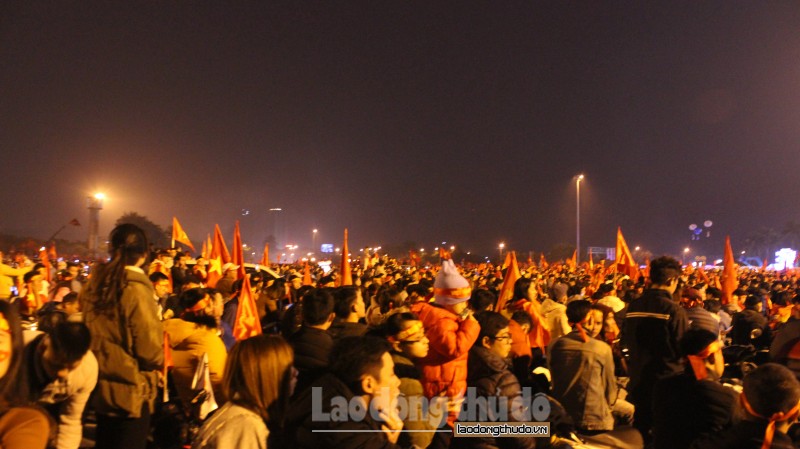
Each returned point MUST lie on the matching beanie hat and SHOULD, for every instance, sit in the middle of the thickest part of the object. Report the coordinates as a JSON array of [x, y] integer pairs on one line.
[[450, 287]]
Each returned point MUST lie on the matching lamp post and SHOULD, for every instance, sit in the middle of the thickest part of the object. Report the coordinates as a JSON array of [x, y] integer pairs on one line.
[[95, 204], [578, 180], [500, 249], [314, 240]]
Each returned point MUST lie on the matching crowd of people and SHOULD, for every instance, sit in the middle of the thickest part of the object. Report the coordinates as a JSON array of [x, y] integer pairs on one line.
[[393, 355]]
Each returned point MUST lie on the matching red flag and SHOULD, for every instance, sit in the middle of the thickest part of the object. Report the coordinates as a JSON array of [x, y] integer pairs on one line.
[[507, 290], [215, 260], [591, 262], [444, 254], [543, 262], [46, 263], [572, 262], [646, 271], [347, 278], [247, 324], [764, 265], [179, 235], [265, 257], [209, 245], [220, 247], [52, 252], [729, 281], [307, 275], [625, 263], [204, 251], [238, 254]]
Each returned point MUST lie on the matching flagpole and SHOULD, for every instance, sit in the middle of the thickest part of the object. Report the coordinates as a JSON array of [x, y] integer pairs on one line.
[[578, 219]]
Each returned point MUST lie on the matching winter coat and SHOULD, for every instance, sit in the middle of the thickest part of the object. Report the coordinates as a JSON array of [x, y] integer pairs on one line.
[[583, 380], [312, 347], [444, 369], [189, 341], [489, 375], [128, 348], [653, 326], [697, 408], [555, 315], [232, 427]]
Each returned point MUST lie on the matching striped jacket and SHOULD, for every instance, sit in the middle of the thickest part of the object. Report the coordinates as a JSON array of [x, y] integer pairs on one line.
[[653, 326]]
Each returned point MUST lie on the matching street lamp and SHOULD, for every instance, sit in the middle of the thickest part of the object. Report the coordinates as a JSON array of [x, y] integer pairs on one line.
[[95, 204], [314, 240], [500, 249], [578, 180]]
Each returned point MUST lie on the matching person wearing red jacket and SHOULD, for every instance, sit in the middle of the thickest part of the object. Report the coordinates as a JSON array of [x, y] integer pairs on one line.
[[451, 330]]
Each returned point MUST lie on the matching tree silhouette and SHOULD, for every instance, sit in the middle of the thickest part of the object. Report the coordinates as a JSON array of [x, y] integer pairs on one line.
[[155, 233]]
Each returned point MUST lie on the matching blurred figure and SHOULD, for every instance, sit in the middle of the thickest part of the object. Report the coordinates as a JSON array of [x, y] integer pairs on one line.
[[192, 335], [61, 374], [259, 380], [20, 427]]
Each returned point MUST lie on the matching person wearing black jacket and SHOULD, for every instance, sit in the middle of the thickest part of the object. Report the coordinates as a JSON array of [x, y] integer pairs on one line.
[[312, 343], [361, 370], [748, 320], [489, 374], [653, 326], [694, 404]]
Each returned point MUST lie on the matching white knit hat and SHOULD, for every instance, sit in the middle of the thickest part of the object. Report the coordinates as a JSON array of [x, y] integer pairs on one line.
[[450, 287]]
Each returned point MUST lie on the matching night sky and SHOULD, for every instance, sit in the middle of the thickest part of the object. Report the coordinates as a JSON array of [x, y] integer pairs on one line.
[[463, 122]]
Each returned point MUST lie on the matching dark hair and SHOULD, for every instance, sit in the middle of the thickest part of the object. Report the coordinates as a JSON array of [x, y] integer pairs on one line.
[[69, 298], [664, 269], [521, 288], [712, 305], [481, 299], [605, 288], [345, 297], [393, 324], [317, 306], [389, 298], [189, 299], [751, 302], [158, 276], [70, 340], [771, 388], [419, 289], [27, 277], [491, 323], [354, 357], [714, 292], [522, 318], [13, 387], [695, 340], [128, 244], [577, 310]]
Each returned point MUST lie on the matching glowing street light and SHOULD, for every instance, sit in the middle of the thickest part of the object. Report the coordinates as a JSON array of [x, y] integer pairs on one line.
[[500, 249]]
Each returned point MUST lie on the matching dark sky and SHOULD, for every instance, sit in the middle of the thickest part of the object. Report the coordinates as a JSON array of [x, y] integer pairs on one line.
[[425, 121]]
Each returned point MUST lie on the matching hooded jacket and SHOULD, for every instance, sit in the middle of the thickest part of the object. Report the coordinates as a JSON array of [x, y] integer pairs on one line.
[[189, 341], [490, 376], [444, 369], [128, 346]]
